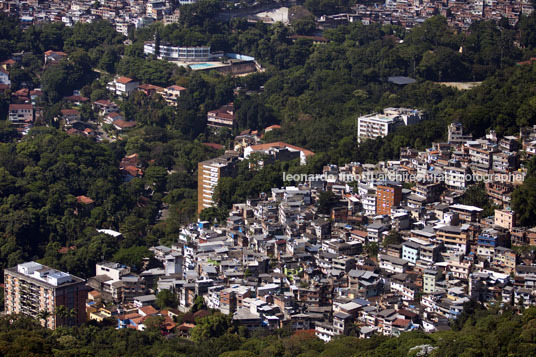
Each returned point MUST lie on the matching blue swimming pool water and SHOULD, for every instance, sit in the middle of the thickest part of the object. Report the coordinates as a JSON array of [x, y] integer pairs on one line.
[[201, 65]]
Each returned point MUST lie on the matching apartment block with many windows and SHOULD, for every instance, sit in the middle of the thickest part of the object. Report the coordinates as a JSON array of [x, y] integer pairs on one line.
[[387, 197], [38, 291], [209, 172]]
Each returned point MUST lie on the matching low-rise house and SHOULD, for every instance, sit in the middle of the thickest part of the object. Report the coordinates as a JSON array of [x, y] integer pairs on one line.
[[70, 115], [392, 264], [105, 107], [222, 117], [122, 86], [121, 124], [172, 94], [52, 57]]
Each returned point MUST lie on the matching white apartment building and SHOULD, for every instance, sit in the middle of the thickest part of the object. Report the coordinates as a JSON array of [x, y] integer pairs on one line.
[[209, 172], [456, 178], [174, 53], [376, 125]]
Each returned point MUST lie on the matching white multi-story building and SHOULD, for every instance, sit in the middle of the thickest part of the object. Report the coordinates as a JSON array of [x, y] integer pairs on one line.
[[455, 134], [174, 53], [209, 172], [457, 178], [376, 125]]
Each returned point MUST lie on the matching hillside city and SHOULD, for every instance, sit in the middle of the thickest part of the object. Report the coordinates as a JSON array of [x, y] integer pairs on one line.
[[245, 172]]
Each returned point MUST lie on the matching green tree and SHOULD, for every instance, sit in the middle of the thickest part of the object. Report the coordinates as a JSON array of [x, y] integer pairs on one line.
[[154, 323], [371, 249], [394, 237], [166, 299], [214, 325], [156, 176], [214, 214], [524, 201], [326, 201], [199, 304], [133, 256]]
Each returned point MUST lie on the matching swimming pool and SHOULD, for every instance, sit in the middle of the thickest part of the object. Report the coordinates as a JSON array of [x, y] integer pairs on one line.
[[201, 65]]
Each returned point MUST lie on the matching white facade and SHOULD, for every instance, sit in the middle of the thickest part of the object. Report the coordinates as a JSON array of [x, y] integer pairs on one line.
[[373, 126], [20, 113], [376, 125], [4, 77], [173, 53], [456, 178]]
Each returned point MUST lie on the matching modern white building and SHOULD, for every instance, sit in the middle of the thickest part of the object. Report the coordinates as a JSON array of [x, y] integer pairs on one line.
[[175, 53], [372, 126], [209, 172]]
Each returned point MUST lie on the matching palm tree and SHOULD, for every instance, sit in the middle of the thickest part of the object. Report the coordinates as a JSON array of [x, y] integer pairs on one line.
[[44, 315], [71, 314], [61, 312], [65, 313]]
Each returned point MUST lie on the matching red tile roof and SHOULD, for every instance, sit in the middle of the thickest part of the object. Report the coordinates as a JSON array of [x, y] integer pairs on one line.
[[94, 293], [69, 112], [133, 171], [401, 323], [214, 146], [150, 87], [132, 315], [20, 106], [272, 127], [84, 200], [175, 87], [104, 102], [124, 124], [201, 313], [9, 62], [148, 310], [218, 113], [59, 53], [359, 233], [65, 250], [114, 115], [124, 80], [186, 326], [22, 92]]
